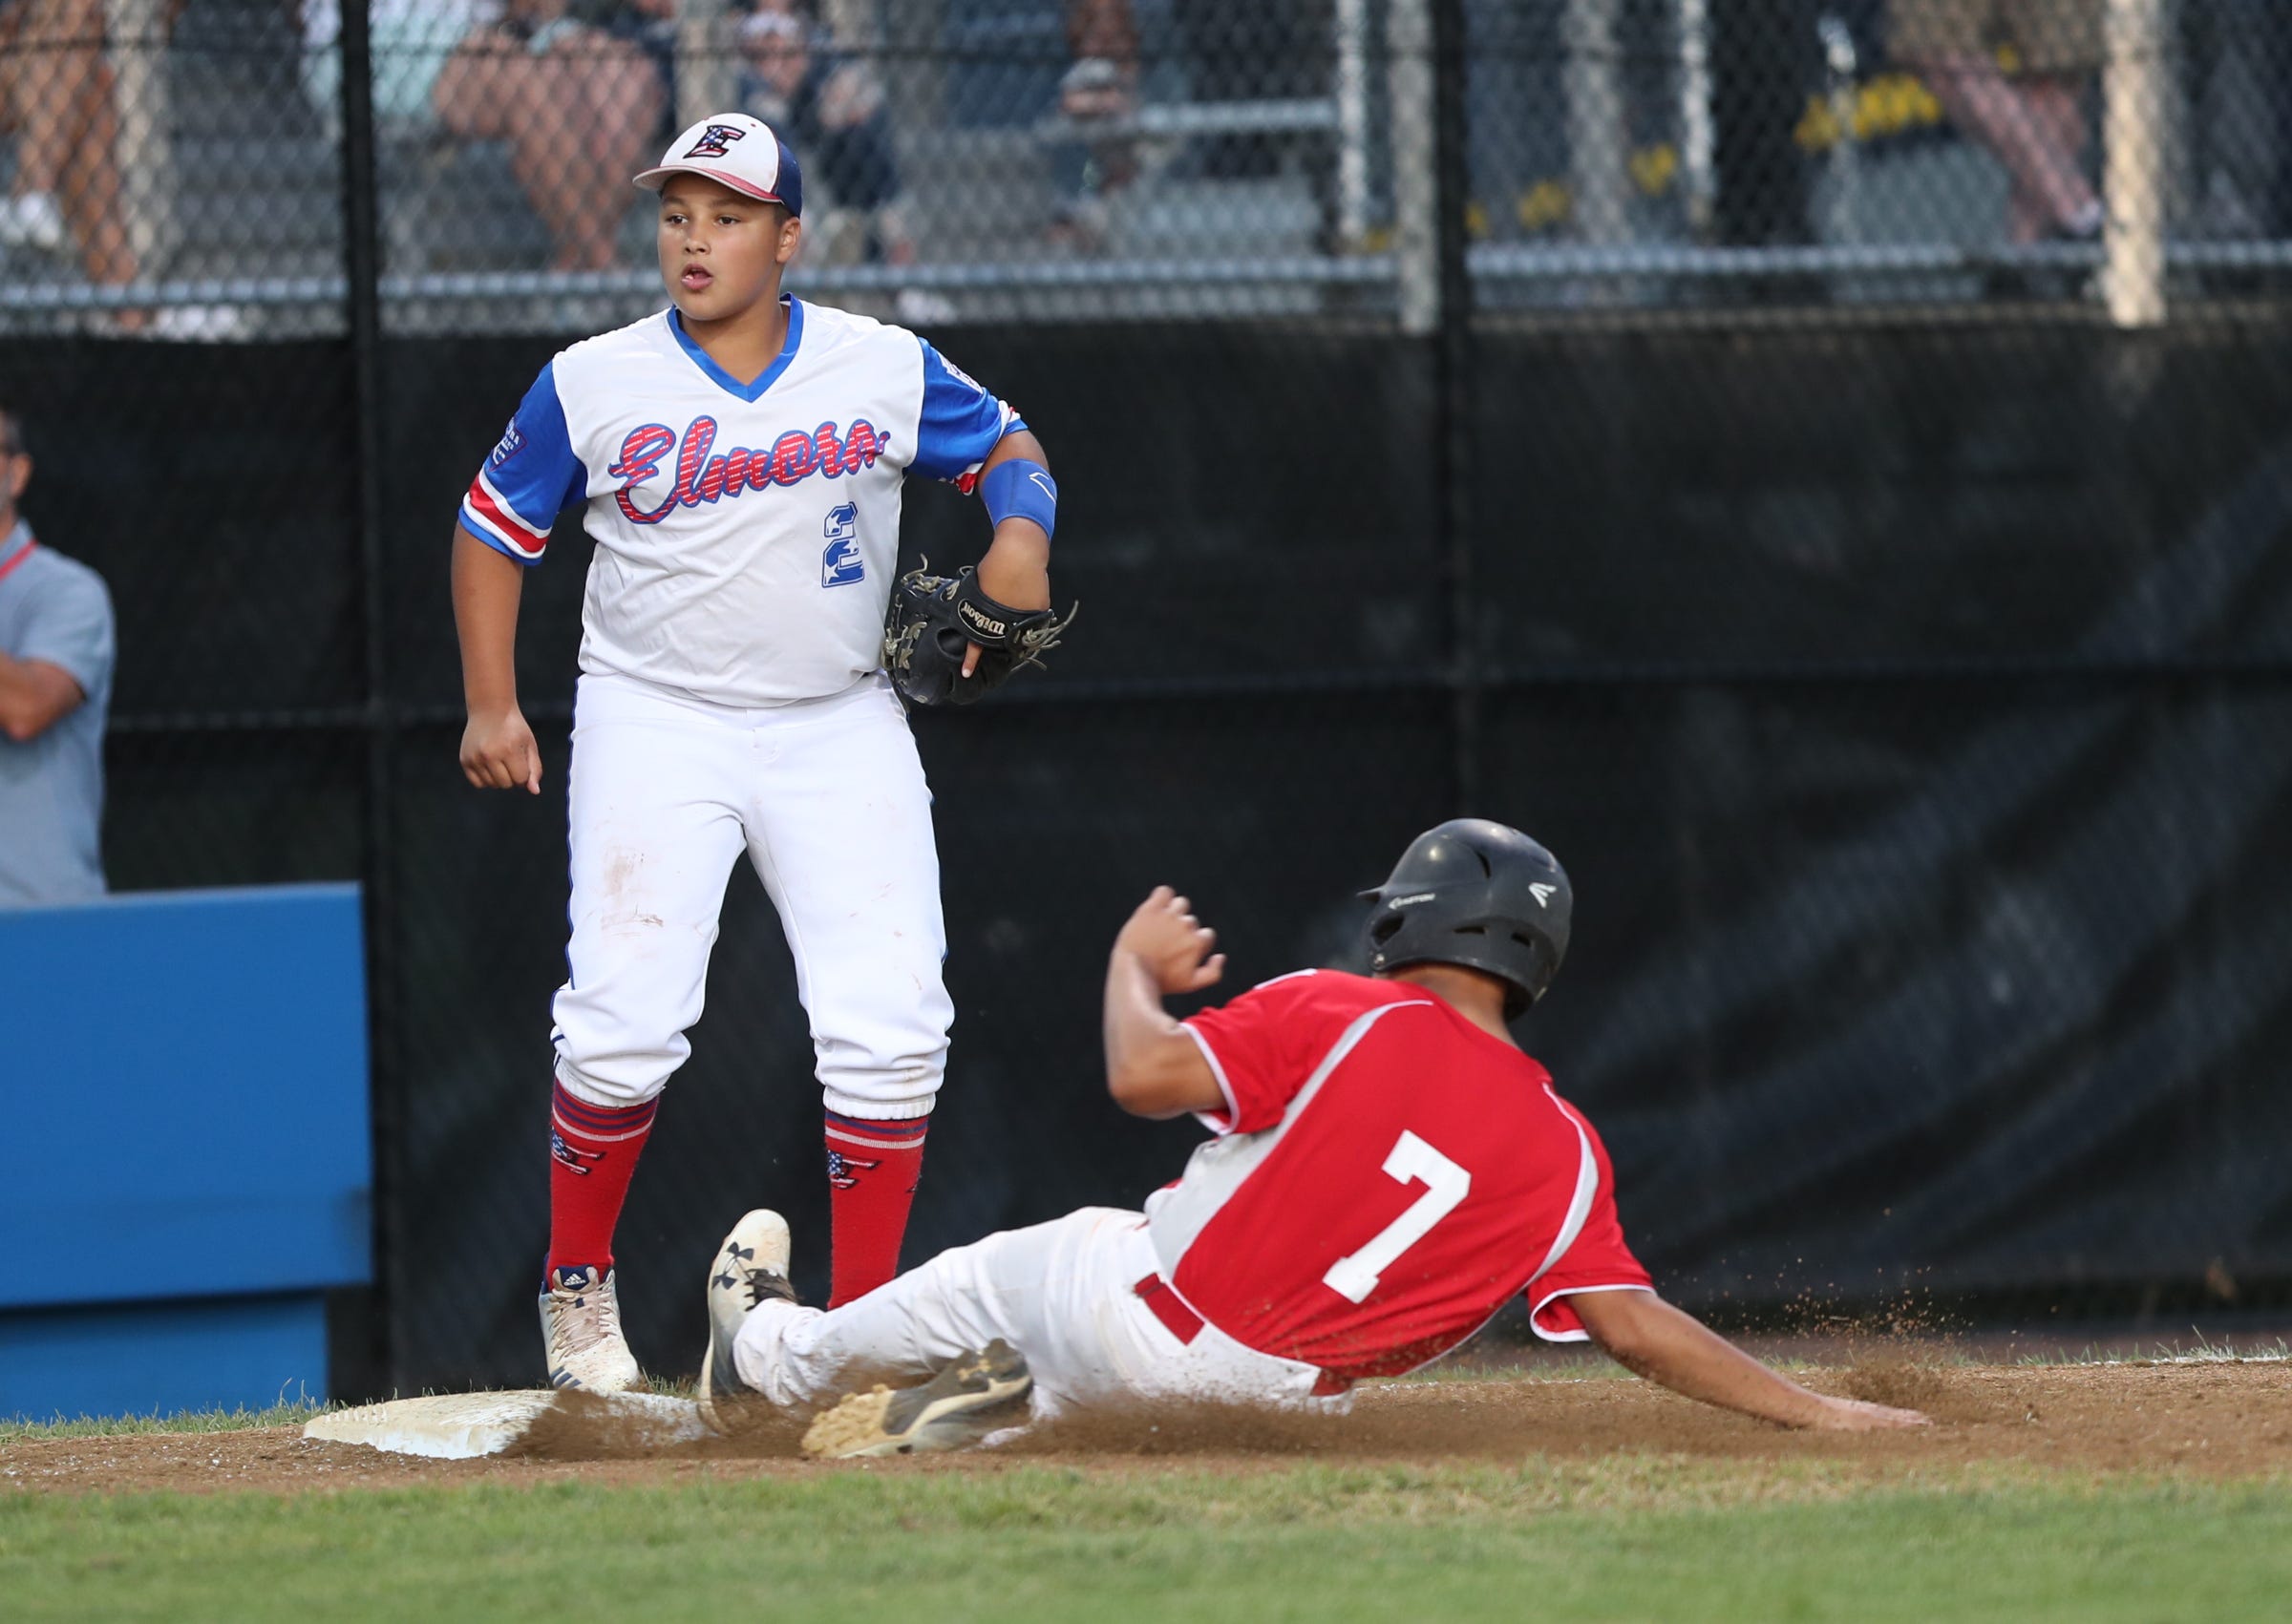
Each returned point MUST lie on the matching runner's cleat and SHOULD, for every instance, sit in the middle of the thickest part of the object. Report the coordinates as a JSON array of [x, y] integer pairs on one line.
[[580, 1328], [980, 1393], [751, 1267]]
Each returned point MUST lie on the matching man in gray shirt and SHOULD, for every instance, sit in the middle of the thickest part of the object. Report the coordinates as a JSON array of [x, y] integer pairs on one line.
[[55, 687]]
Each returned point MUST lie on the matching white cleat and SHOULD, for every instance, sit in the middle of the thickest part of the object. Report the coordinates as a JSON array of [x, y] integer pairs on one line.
[[751, 1267], [979, 1394], [580, 1327]]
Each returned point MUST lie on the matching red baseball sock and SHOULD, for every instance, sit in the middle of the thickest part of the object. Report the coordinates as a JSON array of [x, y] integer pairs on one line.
[[873, 1170], [593, 1149]]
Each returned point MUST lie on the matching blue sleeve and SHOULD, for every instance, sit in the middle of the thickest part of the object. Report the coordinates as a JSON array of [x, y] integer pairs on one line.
[[530, 478], [959, 422]]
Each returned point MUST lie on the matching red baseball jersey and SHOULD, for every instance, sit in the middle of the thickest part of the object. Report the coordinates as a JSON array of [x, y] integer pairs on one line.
[[1385, 1177]]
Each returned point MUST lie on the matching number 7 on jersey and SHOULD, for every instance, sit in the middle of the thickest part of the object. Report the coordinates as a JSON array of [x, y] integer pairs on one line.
[[1446, 1186]]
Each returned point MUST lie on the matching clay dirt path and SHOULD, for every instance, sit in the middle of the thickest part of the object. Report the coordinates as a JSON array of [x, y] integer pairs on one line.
[[2212, 1420]]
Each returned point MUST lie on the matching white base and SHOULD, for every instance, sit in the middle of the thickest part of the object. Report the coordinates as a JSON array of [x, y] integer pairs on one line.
[[460, 1426]]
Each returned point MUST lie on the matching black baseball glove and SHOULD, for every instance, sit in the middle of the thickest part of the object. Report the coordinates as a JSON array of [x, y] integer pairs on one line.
[[934, 618]]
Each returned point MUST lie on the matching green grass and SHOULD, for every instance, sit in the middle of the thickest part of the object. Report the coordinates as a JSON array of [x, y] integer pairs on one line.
[[15, 1429], [1627, 1537]]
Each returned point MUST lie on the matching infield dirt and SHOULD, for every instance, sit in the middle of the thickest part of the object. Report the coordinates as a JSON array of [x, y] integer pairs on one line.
[[2224, 1420]]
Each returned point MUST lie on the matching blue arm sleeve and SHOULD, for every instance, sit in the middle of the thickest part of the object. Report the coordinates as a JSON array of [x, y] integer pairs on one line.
[[529, 480], [959, 422]]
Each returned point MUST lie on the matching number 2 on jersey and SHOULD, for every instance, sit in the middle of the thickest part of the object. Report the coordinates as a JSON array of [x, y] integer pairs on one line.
[[1446, 1186], [840, 561]]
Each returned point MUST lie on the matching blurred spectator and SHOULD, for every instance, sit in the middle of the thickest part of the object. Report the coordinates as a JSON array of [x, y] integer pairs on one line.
[[1514, 119], [410, 39], [579, 107], [1268, 50], [651, 26], [2034, 123], [56, 94], [1097, 96], [2240, 56], [832, 112], [56, 687]]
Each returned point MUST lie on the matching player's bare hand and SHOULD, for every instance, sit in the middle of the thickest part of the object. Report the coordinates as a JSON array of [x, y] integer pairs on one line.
[[497, 753], [1860, 1415], [1177, 948]]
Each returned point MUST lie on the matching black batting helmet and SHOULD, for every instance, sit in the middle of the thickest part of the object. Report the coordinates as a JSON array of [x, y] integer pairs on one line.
[[1479, 895]]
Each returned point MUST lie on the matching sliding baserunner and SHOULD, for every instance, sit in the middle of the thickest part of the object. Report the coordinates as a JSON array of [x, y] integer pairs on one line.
[[1389, 1171]]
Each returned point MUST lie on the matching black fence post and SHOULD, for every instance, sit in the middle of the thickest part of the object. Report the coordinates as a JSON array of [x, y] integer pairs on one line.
[[1452, 399], [362, 267]]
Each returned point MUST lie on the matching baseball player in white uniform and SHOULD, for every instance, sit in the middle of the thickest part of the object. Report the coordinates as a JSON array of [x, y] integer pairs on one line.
[[737, 459], [1388, 1170]]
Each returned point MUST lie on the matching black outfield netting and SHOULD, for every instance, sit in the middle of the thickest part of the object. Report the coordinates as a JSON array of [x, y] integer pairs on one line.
[[1687, 445], [1867, 494], [1927, 933]]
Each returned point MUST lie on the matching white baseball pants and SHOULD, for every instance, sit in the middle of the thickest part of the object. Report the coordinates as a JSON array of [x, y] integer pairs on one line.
[[1064, 1293], [827, 798]]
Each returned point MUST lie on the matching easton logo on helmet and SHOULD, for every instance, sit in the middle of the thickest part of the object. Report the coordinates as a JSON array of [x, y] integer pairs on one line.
[[1480, 895], [716, 141]]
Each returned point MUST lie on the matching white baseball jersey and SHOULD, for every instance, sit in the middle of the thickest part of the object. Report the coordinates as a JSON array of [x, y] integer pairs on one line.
[[746, 533]]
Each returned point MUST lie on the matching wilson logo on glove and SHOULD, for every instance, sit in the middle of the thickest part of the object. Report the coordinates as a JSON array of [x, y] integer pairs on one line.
[[979, 624], [935, 619]]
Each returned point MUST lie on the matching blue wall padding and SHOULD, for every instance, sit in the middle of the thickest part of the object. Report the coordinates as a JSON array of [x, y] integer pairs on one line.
[[182, 1099], [162, 1358]]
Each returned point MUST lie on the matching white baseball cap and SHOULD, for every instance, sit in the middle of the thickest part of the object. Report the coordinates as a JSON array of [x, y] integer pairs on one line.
[[736, 151]]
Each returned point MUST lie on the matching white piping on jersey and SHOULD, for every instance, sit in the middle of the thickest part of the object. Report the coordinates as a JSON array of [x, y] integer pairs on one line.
[[1284, 976], [1217, 1071], [1218, 1169], [1543, 1302], [1579, 1210], [1580, 1207]]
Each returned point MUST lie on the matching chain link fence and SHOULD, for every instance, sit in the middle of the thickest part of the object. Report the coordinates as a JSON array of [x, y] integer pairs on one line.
[[1825, 466], [180, 166]]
